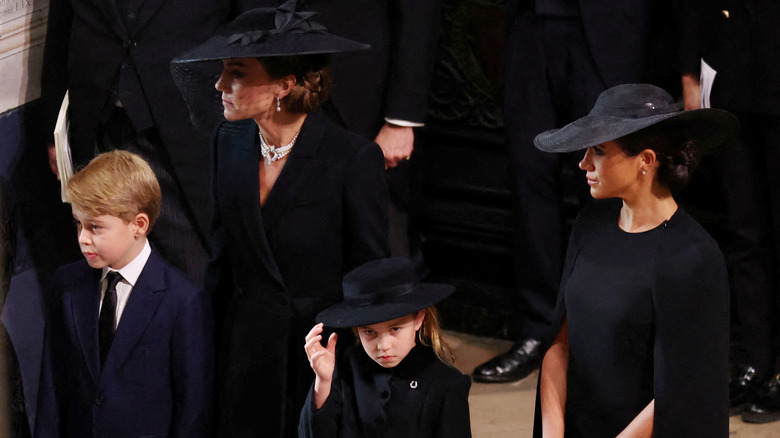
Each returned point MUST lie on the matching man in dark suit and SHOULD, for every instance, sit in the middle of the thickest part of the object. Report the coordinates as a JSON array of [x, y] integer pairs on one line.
[[113, 56], [740, 41], [382, 93], [559, 56], [130, 349]]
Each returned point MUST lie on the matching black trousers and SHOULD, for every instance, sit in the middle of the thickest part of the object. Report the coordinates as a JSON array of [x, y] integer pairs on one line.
[[175, 234], [745, 219], [550, 79]]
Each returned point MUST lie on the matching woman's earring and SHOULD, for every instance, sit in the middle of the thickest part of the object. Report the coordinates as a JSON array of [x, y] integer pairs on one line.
[[278, 104], [644, 172]]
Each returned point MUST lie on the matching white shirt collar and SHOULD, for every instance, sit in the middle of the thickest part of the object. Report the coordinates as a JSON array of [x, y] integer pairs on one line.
[[132, 270]]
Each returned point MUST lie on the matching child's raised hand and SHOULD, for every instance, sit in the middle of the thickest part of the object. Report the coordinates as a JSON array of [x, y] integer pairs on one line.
[[322, 359]]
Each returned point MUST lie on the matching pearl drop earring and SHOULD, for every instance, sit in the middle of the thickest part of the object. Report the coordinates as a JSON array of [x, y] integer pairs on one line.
[[278, 104]]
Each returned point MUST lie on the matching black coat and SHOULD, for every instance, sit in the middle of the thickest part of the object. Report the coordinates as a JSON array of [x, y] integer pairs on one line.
[[421, 397], [740, 39], [90, 47], [630, 40], [277, 266], [391, 79]]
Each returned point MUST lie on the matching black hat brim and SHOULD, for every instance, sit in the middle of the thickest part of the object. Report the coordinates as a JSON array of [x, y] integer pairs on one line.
[[708, 128], [346, 314], [310, 43]]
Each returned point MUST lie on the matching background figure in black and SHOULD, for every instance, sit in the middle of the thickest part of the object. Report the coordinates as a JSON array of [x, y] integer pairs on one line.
[[382, 93], [13, 415], [740, 40], [113, 57], [559, 56]]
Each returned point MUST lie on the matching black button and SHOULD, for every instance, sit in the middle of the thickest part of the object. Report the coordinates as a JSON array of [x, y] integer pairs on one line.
[[131, 16], [385, 394], [379, 421], [99, 400]]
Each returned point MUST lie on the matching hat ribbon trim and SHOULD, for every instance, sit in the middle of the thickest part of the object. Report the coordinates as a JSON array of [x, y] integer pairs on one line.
[[286, 21], [386, 296]]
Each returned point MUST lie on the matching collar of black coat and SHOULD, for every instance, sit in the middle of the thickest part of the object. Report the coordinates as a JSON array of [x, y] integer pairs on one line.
[[419, 357]]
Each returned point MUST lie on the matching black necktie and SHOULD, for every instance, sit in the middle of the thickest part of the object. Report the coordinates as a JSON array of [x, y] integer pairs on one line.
[[107, 315]]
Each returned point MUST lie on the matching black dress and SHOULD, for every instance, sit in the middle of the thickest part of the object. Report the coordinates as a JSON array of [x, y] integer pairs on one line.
[[421, 397], [648, 318]]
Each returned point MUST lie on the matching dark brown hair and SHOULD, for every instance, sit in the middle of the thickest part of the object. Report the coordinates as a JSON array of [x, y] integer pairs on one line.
[[312, 79], [677, 156]]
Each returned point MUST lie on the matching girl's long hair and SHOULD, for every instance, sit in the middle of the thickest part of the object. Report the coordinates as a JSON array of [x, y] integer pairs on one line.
[[430, 334]]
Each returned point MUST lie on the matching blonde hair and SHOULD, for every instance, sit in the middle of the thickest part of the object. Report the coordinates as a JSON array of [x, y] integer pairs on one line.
[[430, 334], [116, 183]]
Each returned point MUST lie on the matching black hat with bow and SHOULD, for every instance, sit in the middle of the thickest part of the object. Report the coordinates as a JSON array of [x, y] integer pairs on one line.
[[257, 33]]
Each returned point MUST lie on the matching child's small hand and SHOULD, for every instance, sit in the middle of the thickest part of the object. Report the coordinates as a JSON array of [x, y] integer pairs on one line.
[[322, 359]]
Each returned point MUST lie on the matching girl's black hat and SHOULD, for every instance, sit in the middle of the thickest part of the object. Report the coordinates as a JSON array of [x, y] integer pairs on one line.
[[382, 290]]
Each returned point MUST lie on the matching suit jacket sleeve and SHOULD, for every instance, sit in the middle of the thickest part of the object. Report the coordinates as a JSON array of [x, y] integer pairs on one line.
[[416, 25], [54, 74], [697, 18], [192, 365], [366, 201], [691, 306], [454, 420]]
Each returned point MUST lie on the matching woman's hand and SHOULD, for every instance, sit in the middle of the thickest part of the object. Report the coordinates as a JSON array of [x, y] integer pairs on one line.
[[322, 361]]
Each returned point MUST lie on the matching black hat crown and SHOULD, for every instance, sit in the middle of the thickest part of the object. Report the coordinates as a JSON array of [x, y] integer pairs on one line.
[[382, 290]]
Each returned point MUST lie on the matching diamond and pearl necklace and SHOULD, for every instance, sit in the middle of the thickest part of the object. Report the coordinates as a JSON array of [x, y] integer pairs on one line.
[[272, 153]]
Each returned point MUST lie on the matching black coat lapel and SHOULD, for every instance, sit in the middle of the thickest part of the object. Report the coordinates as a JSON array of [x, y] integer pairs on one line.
[[239, 192], [141, 307], [144, 10], [85, 305], [111, 12], [300, 168]]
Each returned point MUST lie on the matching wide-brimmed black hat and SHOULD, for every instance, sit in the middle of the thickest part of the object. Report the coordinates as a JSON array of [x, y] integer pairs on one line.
[[380, 291], [257, 33], [628, 108]]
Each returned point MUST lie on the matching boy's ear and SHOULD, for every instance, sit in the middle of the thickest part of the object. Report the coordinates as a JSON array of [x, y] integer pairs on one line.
[[141, 224]]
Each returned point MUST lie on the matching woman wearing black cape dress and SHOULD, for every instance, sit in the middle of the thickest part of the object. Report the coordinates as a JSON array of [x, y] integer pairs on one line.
[[640, 341]]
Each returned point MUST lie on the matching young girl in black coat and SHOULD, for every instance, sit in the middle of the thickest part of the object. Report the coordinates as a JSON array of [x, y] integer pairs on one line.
[[401, 383]]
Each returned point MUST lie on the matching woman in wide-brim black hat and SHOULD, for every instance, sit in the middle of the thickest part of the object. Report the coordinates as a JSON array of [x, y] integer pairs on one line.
[[639, 341], [298, 202], [399, 381]]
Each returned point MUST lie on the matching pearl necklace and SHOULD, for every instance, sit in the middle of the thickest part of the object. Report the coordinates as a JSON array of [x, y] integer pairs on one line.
[[271, 153]]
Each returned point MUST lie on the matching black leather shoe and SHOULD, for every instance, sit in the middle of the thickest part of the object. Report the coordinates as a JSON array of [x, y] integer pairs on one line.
[[743, 385], [767, 406], [517, 363]]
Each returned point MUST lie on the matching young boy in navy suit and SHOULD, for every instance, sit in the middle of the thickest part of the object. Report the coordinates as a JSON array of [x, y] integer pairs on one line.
[[131, 342]]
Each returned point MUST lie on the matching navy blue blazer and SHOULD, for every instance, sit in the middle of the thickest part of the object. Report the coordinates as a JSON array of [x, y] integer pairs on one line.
[[158, 377]]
